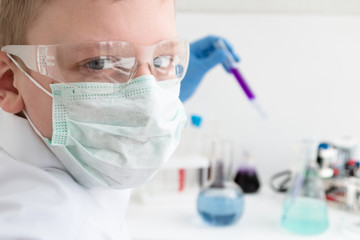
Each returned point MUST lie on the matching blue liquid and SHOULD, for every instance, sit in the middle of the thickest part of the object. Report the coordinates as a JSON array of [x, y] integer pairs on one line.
[[220, 207], [305, 216]]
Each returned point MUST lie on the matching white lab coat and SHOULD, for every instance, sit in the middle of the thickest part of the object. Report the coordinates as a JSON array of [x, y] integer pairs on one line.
[[39, 200]]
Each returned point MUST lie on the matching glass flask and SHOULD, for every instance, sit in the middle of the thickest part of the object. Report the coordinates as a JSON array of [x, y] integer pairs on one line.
[[221, 202], [305, 209], [246, 176]]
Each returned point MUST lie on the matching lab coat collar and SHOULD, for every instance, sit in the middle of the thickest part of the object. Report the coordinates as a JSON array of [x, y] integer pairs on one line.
[[19, 140]]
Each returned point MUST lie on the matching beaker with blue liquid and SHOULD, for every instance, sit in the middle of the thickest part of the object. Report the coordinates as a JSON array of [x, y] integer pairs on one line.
[[221, 203], [305, 209]]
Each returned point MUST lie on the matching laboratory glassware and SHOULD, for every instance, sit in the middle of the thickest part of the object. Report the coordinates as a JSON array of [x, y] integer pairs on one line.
[[305, 209], [221, 202], [246, 176], [231, 67]]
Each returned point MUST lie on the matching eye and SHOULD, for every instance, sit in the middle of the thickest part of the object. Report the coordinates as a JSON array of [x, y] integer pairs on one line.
[[100, 63], [179, 70], [105, 68], [162, 61], [96, 64]]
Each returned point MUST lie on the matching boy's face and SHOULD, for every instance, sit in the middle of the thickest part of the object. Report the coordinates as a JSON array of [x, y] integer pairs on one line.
[[73, 21]]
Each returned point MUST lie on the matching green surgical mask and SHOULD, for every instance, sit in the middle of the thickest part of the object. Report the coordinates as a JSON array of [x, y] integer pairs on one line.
[[117, 140]]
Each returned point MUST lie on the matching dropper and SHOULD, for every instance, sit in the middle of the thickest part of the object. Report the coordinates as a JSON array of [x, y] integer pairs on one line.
[[231, 66]]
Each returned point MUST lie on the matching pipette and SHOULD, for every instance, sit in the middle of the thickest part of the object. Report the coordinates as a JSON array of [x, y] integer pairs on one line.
[[230, 65]]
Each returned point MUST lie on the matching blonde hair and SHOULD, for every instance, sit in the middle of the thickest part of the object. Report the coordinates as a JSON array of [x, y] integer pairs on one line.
[[15, 18]]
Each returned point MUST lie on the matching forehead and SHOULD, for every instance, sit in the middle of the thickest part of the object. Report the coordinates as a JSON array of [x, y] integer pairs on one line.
[[72, 21]]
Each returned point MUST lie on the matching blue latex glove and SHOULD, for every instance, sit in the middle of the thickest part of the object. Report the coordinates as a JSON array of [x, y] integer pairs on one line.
[[203, 57]]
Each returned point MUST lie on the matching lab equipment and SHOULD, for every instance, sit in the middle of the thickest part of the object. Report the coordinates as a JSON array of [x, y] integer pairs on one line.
[[193, 140], [305, 209], [346, 146], [221, 202], [326, 157], [321, 147], [336, 157], [246, 176], [279, 182], [197, 144], [230, 65], [352, 226], [343, 193]]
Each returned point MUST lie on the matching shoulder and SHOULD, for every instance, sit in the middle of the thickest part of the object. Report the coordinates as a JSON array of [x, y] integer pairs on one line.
[[47, 204], [31, 198]]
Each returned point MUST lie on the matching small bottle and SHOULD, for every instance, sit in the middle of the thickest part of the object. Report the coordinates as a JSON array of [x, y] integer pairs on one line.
[[305, 209], [221, 202]]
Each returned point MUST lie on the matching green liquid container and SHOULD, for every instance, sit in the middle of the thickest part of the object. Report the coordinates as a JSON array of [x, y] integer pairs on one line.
[[306, 216], [305, 209]]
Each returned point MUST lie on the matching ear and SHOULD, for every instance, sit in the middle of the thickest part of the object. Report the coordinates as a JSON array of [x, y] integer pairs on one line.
[[10, 99]]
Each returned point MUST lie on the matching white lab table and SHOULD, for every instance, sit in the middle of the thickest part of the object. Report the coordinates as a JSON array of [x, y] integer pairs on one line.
[[174, 217]]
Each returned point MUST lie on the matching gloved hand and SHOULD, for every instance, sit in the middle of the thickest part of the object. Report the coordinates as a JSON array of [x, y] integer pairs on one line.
[[203, 57]]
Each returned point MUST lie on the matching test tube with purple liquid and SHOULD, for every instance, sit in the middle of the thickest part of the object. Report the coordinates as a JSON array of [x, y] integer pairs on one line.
[[230, 65]]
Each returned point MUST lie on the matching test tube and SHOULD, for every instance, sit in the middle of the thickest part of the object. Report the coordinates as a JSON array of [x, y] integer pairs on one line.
[[230, 65]]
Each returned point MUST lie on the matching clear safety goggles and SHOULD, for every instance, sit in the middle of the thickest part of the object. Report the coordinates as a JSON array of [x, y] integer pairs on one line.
[[105, 62]]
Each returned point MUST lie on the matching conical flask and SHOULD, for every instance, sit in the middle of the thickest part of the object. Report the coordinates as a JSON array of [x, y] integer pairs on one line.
[[246, 176], [221, 202], [305, 209]]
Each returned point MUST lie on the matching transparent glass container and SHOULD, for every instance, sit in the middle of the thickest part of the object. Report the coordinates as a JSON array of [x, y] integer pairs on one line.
[[221, 202], [305, 209]]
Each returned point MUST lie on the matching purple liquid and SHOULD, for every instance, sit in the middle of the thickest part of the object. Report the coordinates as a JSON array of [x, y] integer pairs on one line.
[[242, 83], [247, 179]]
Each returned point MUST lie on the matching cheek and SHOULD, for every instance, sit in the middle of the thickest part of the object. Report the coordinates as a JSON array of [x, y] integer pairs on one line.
[[38, 105]]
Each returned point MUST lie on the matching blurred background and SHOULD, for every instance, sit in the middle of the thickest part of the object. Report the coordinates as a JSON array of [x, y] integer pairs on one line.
[[301, 59]]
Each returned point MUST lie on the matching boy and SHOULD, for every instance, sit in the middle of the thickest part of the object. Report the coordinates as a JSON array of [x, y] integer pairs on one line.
[[89, 97]]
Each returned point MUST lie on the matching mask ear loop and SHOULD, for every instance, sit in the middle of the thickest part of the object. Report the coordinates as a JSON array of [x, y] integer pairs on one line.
[[27, 75]]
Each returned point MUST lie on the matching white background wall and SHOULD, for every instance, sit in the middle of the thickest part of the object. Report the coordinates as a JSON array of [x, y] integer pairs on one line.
[[304, 69], [272, 6]]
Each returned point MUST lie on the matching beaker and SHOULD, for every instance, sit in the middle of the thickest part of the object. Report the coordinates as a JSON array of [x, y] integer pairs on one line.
[[305, 209], [221, 202]]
